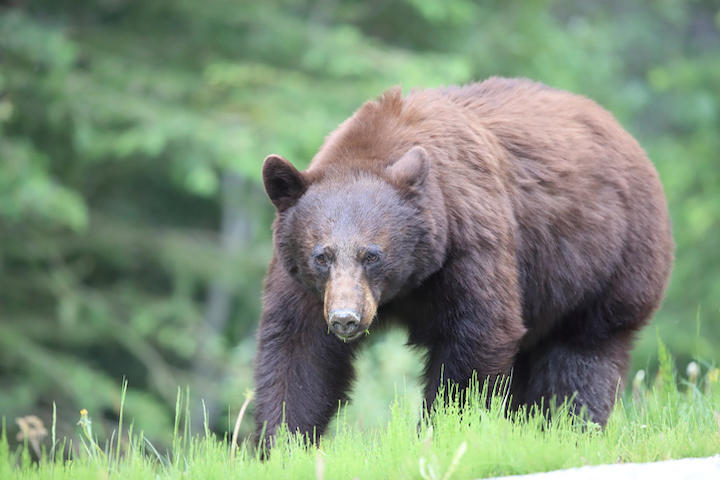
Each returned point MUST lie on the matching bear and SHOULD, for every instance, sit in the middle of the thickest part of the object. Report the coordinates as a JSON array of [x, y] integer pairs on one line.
[[513, 229]]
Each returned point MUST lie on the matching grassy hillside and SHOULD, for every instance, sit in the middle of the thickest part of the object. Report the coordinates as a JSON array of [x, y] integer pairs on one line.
[[659, 420]]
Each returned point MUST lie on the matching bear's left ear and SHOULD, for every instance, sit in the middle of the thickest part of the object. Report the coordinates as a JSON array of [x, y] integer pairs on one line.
[[284, 184], [411, 169]]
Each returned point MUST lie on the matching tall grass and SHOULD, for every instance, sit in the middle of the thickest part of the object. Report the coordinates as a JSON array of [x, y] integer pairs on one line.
[[663, 419]]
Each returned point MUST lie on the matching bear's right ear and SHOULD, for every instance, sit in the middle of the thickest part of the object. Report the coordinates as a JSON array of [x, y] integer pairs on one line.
[[284, 184], [411, 169]]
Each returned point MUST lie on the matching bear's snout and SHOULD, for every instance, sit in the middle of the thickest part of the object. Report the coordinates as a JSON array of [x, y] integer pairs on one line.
[[344, 323], [349, 305]]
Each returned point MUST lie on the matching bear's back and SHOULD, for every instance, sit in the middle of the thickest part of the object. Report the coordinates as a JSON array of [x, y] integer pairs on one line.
[[585, 196]]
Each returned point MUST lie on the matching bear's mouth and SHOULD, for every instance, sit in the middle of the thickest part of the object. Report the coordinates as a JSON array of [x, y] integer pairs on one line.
[[352, 338]]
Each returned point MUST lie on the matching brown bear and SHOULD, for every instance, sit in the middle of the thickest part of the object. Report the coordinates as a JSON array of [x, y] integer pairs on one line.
[[507, 225]]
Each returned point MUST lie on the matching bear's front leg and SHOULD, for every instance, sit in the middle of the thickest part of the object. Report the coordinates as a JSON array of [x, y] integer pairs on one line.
[[476, 324], [301, 371]]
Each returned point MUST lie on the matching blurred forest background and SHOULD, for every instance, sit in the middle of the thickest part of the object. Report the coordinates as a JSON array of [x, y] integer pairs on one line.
[[134, 231]]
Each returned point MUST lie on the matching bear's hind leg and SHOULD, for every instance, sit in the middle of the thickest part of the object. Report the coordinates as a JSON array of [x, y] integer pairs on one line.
[[562, 368], [588, 352]]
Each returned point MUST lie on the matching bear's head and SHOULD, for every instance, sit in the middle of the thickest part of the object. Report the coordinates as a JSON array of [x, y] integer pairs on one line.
[[356, 239]]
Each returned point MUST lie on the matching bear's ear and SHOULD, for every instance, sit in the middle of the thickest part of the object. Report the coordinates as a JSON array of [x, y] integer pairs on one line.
[[412, 169], [283, 183]]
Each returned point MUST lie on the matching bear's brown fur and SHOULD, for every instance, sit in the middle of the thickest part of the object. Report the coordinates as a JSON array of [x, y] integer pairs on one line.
[[507, 225]]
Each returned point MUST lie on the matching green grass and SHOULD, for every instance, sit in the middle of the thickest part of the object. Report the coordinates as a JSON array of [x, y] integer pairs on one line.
[[656, 422]]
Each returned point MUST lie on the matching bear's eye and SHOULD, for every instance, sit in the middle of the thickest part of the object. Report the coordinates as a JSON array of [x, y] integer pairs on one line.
[[321, 260], [372, 255], [372, 258]]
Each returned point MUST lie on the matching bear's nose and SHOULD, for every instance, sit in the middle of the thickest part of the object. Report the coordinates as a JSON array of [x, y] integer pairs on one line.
[[344, 322]]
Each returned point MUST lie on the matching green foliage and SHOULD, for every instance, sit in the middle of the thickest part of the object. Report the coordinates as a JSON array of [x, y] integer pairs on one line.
[[5, 465], [472, 442], [134, 232]]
